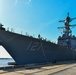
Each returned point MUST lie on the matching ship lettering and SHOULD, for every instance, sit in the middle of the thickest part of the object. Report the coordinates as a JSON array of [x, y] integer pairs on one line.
[[40, 47], [29, 45], [34, 46]]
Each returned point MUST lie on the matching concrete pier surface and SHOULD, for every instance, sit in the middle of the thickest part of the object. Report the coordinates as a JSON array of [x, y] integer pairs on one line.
[[57, 69]]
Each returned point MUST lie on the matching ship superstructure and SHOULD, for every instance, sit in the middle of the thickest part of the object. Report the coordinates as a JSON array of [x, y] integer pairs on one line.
[[67, 39], [29, 50]]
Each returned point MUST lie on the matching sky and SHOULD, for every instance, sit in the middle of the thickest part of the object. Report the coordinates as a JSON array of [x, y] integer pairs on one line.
[[36, 17]]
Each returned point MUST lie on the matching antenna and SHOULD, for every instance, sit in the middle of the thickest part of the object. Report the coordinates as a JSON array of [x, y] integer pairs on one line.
[[67, 27], [68, 13]]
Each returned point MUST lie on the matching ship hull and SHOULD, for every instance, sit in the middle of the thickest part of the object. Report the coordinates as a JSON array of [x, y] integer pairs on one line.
[[29, 50]]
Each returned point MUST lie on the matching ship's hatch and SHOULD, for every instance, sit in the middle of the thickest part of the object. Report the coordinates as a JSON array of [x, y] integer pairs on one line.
[[4, 53]]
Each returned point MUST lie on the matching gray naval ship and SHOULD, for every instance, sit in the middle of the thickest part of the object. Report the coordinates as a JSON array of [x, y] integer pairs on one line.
[[29, 50]]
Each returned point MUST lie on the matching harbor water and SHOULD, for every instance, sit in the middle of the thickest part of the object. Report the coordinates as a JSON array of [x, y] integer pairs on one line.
[[4, 61]]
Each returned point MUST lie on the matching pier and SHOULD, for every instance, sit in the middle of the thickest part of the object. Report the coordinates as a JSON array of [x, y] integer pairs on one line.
[[49, 69]]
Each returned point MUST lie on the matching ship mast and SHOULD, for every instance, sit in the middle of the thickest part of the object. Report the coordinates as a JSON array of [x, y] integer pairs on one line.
[[67, 27]]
